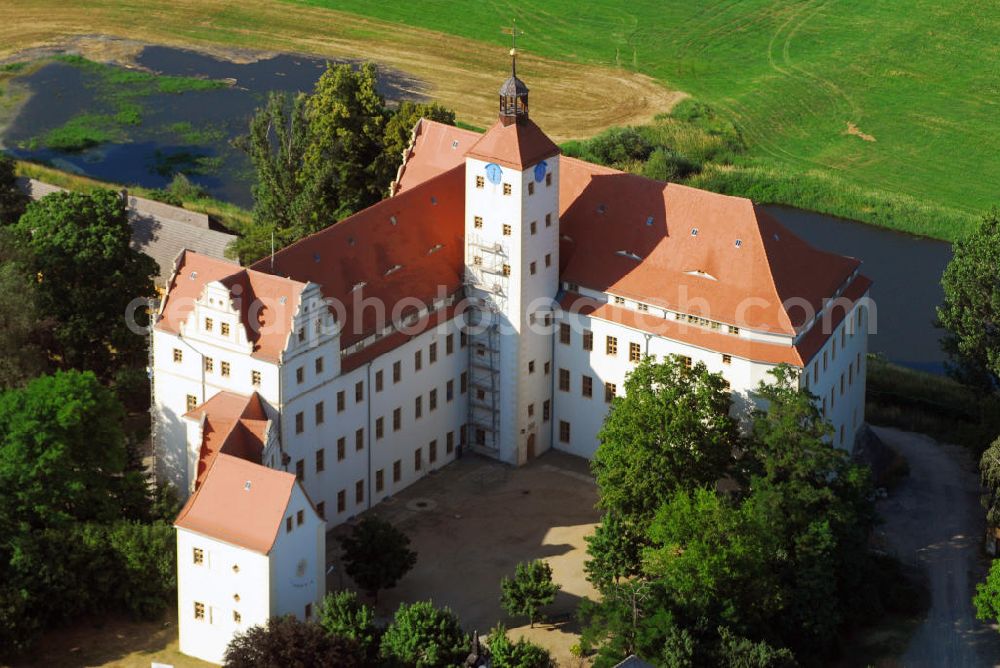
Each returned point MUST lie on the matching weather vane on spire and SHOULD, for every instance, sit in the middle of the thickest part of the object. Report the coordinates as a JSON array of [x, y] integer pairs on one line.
[[513, 32]]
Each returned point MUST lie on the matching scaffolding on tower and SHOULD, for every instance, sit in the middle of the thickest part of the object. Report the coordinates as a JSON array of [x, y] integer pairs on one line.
[[486, 280]]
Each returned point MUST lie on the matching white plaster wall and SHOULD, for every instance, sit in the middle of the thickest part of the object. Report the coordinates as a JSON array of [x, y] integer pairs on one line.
[[215, 583], [297, 561]]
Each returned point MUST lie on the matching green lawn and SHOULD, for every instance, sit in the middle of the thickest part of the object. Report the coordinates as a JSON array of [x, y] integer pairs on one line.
[[918, 81]]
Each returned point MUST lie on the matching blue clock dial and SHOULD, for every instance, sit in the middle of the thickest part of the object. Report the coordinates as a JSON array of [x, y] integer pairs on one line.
[[540, 170], [494, 173]]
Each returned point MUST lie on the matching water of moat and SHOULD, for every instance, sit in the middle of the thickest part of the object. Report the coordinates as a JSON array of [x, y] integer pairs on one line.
[[199, 126], [189, 132]]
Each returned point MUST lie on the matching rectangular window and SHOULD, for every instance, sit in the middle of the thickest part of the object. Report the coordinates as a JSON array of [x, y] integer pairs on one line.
[[378, 380], [727, 359], [300, 469], [418, 360], [686, 360], [199, 555], [548, 220], [824, 361], [319, 413], [341, 448], [379, 427], [464, 339], [611, 345], [634, 352], [449, 390], [397, 470], [208, 324], [199, 610], [224, 327], [417, 460], [449, 344], [341, 401], [587, 387], [288, 524], [300, 517], [506, 189], [815, 372], [563, 431], [418, 407], [642, 307], [531, 188], [432, 400], [255, 378], [300, 375], [318, 362], [546, 408], [548, 179], [564, 380], [178, 355], [341, 501], [300, 423], [480, 182], [610, 390], [588, 340], [321, 510], [302, 334], [432, 353], [619, 300], [564, 333], [449, 443], [477, 222], [432, 452], [534, 227], [532, 268], [397, 371], [506, 270], [464, 384], [548, 367], [236, 617], [841, 384], [359, 392], [548, 259], [359, 439], [209, 364], [734, 330], [531, 366], [191, 402], [379, 480], [397, 419], [359, 491]]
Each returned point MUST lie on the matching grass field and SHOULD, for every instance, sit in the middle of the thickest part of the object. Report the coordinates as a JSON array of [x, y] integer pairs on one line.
[[900, 96], [872, 109]]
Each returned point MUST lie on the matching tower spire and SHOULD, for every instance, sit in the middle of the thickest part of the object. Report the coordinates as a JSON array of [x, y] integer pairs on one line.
[[513, 93]]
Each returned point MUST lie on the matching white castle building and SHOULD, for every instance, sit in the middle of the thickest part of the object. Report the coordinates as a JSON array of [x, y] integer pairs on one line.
[[494, 303]]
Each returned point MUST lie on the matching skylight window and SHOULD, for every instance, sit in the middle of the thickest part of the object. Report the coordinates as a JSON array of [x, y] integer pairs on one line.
[[316, 257], [739, 242], [393, 269], [392, 219], [454, 143], [434, 200], [629, 254], [358, 286], [246, 486], [194, 275], [694, 231], [601, 208], [649, 221], [435, 248]]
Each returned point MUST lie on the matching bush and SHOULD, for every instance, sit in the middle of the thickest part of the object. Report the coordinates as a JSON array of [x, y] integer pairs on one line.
[[286, 641], [422, 636], [667, 165], [182, 188], [342, 614], [522, 654]]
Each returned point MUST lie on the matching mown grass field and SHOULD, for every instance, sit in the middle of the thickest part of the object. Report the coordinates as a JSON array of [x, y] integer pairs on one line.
[[900, 96]]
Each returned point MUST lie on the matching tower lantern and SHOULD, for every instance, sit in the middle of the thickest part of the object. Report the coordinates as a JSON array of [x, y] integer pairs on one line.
[[513, 92]]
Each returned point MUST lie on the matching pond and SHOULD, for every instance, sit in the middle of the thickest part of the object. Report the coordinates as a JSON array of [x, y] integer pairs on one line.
[[907, 273], [177, 112]]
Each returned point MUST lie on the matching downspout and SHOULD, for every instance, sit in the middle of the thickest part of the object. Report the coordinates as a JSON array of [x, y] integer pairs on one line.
[[368, 428], [552, 390]]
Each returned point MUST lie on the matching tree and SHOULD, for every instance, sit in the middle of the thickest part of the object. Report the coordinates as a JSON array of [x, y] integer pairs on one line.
[[529, 589], [88, 276], [671, 430], [738, 652], [520, 654], [62, 452], [287, 192], [989, 473], [342, 614], [146, 572], [399, 128], [971, 308], [286, 641], [21, 325], [987, 598], [377, 555], [613, 550], [422, 636], [12, 199]]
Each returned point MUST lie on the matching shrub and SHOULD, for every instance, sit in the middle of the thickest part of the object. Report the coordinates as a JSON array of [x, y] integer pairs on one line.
[[667, 165], [520, 654], [422, 636], [286, 641], [342, 614]]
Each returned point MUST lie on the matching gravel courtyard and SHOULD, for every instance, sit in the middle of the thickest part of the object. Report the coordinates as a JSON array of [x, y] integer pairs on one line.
[[472, 521]]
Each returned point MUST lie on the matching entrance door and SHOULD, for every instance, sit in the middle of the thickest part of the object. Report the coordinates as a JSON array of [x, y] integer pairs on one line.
[[531, 447]]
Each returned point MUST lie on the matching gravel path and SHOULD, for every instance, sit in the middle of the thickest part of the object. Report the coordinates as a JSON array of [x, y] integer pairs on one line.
[[933, 519]]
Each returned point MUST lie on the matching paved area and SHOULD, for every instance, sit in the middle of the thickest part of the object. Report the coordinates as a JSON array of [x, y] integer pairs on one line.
[[473, 521], [933, 519]]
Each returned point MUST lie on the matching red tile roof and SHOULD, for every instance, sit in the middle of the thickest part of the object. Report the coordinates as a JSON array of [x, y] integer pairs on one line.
[[234, 424], [404, 247], [518, 145], [240, 503], [279, 297], [436, 149]]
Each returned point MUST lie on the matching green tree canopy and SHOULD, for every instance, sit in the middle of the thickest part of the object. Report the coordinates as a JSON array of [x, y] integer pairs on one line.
[[62, 452], [88, 276], [987, 598], [377, 555], [286, 641], [22, 329], [342, 614], [505, 653], [613, 549], [671, 430], [989, 473], [971, 308], [12, 200], [422, 636], [529, 590]]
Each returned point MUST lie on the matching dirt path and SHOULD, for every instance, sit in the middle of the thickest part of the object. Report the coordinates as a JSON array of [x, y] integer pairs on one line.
[[934, 520]]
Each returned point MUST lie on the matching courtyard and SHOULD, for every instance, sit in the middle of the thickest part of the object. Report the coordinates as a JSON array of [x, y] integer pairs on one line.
[[472, 522]]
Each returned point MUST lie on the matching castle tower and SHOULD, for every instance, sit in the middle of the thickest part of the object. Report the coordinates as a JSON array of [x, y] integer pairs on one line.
[[512, 275]]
